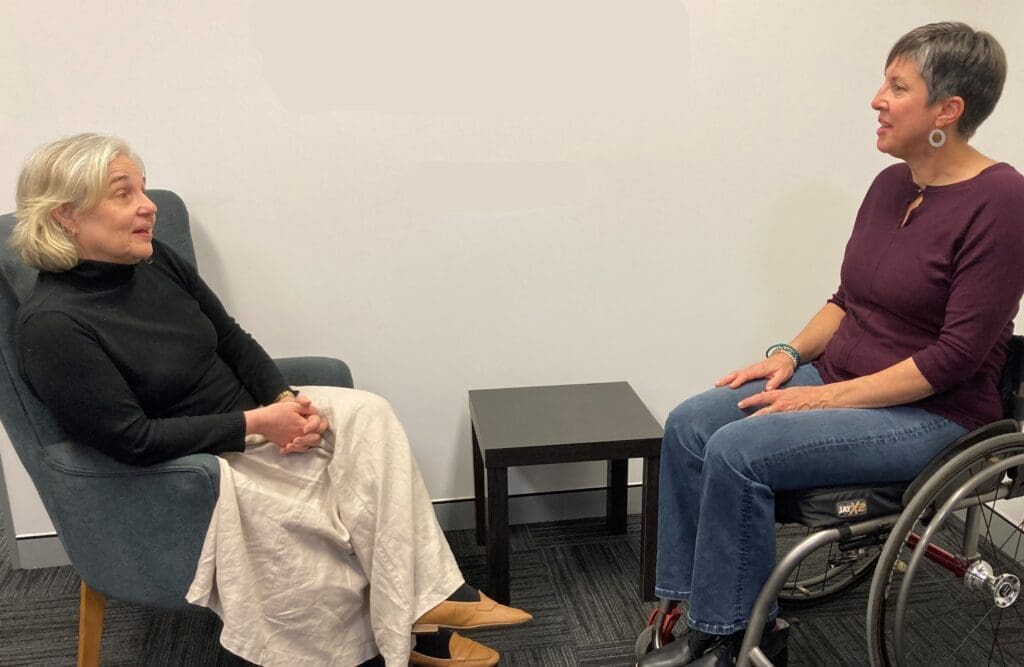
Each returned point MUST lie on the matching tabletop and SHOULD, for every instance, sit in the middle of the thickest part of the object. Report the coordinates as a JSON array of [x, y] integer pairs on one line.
[[560, 414]]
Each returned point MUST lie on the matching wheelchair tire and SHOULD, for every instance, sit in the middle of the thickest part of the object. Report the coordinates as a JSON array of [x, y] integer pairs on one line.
[[827, 572], [923, 612]]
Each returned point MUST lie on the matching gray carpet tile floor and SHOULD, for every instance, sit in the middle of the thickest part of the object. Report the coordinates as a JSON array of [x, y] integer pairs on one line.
[[580, 583]]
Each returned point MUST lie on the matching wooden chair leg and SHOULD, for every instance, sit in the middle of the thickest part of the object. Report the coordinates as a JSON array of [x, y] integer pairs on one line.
[[90, 626]]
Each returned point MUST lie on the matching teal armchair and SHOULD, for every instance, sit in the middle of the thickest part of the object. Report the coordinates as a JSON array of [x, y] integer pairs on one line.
[[132, 533]]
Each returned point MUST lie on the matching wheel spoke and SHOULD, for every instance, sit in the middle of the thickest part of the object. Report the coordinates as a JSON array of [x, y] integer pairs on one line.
[[1020, 614], [968, 634], [1009, 537], [824, 573], [827, 564], [988, 535], [796, 574], [995, 644]]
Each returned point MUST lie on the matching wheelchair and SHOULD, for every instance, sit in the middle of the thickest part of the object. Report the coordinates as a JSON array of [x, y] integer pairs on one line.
[[934, 538]]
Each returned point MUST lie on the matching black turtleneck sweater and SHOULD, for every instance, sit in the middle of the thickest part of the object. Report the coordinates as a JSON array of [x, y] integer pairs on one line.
[[142, 361]]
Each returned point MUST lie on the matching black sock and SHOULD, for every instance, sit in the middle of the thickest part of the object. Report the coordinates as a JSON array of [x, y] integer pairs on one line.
[[434, 644], [737, 637], [375, 661], [464, 593], [700, 641]]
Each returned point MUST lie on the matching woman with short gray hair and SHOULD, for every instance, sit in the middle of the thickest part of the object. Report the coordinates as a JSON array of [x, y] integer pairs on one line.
[[956, 61], [902, 360]]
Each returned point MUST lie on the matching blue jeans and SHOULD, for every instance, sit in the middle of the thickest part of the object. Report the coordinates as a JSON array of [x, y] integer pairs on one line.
[[720, 472]]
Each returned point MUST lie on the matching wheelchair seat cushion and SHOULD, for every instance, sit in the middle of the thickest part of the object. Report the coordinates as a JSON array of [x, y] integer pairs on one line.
[[826, 508]]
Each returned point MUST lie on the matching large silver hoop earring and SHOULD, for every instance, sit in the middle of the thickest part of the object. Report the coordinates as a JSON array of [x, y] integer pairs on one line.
[[937, 138]]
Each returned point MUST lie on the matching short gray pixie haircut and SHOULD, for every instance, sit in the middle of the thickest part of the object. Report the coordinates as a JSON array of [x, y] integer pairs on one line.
[[73, 172], [955, 59]]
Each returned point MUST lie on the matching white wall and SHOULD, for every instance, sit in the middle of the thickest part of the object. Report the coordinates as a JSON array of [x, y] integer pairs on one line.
[[464, 193]]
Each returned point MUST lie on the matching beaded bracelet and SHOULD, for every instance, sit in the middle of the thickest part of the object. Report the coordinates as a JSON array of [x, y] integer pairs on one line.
[[789, 350]]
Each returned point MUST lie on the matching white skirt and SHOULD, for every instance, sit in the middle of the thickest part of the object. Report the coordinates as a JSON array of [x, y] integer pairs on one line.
[[325, 557]]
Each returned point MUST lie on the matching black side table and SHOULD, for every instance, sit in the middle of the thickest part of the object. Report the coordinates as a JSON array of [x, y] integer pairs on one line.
[[523, 426]]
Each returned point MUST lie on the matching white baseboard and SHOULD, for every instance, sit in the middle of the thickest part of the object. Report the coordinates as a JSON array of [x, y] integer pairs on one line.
[[39, 551], [537, 507], [47, 551]]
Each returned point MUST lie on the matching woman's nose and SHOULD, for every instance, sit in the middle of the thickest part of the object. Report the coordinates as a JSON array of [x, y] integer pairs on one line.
[[877, 100], [147, 206]]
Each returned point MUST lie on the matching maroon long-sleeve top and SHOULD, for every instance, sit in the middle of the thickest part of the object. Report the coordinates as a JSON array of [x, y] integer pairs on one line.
[[943, 288]]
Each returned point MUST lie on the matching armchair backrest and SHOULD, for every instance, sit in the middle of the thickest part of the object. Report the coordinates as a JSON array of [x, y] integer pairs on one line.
[[29, 424]]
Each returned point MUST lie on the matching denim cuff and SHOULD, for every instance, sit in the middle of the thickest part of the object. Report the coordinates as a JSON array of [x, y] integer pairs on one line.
[[666, 594], [716, 629]]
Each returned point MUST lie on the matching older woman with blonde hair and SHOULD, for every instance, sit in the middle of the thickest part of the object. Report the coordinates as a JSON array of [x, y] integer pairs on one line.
[[903, 359], [323, 547]]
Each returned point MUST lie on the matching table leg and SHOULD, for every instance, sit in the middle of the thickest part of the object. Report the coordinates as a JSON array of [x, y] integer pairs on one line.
[[649, 528], [497, 534], [480, 497], [617, 497]]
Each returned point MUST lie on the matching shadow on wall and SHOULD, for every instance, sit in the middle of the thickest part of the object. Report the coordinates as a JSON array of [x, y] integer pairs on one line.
[[407, 56]]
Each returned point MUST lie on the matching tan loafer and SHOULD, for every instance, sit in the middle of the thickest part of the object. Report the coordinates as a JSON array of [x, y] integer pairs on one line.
[[484, 613], [464, 652]]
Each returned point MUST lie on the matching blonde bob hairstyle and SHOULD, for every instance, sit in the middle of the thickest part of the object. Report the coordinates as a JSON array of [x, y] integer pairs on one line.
[[70, 172]]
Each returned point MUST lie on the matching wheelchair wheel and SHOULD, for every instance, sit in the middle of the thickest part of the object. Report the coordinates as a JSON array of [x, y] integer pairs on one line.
[[828, 571], [945, 591]]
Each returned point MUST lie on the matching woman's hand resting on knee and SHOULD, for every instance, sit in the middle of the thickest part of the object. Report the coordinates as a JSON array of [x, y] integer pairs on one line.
[[791, 399], [778, 368], [294, 425]]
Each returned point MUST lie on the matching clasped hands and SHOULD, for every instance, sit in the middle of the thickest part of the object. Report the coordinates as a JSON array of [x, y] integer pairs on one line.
[[778, 369], [293, 424]]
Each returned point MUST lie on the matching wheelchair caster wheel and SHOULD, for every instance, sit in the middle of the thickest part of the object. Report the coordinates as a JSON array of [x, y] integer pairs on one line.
[[658, 632], [645, 642]]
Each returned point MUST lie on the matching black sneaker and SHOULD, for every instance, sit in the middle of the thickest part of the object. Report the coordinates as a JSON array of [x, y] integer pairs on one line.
[[688, 646], [773, 644]]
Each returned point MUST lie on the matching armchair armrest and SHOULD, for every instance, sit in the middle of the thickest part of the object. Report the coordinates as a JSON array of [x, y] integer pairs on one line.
[[148, 553], [137, 531], [317, 371]]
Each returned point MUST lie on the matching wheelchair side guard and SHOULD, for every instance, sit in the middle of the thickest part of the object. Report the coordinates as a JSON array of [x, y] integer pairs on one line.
[[975, 437]]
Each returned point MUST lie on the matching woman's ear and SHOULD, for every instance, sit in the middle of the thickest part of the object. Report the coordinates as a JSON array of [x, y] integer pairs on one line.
[[65, 216], [950, 111]]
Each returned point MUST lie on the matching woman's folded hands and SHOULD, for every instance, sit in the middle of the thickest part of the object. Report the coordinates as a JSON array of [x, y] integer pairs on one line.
[[293, 424]]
